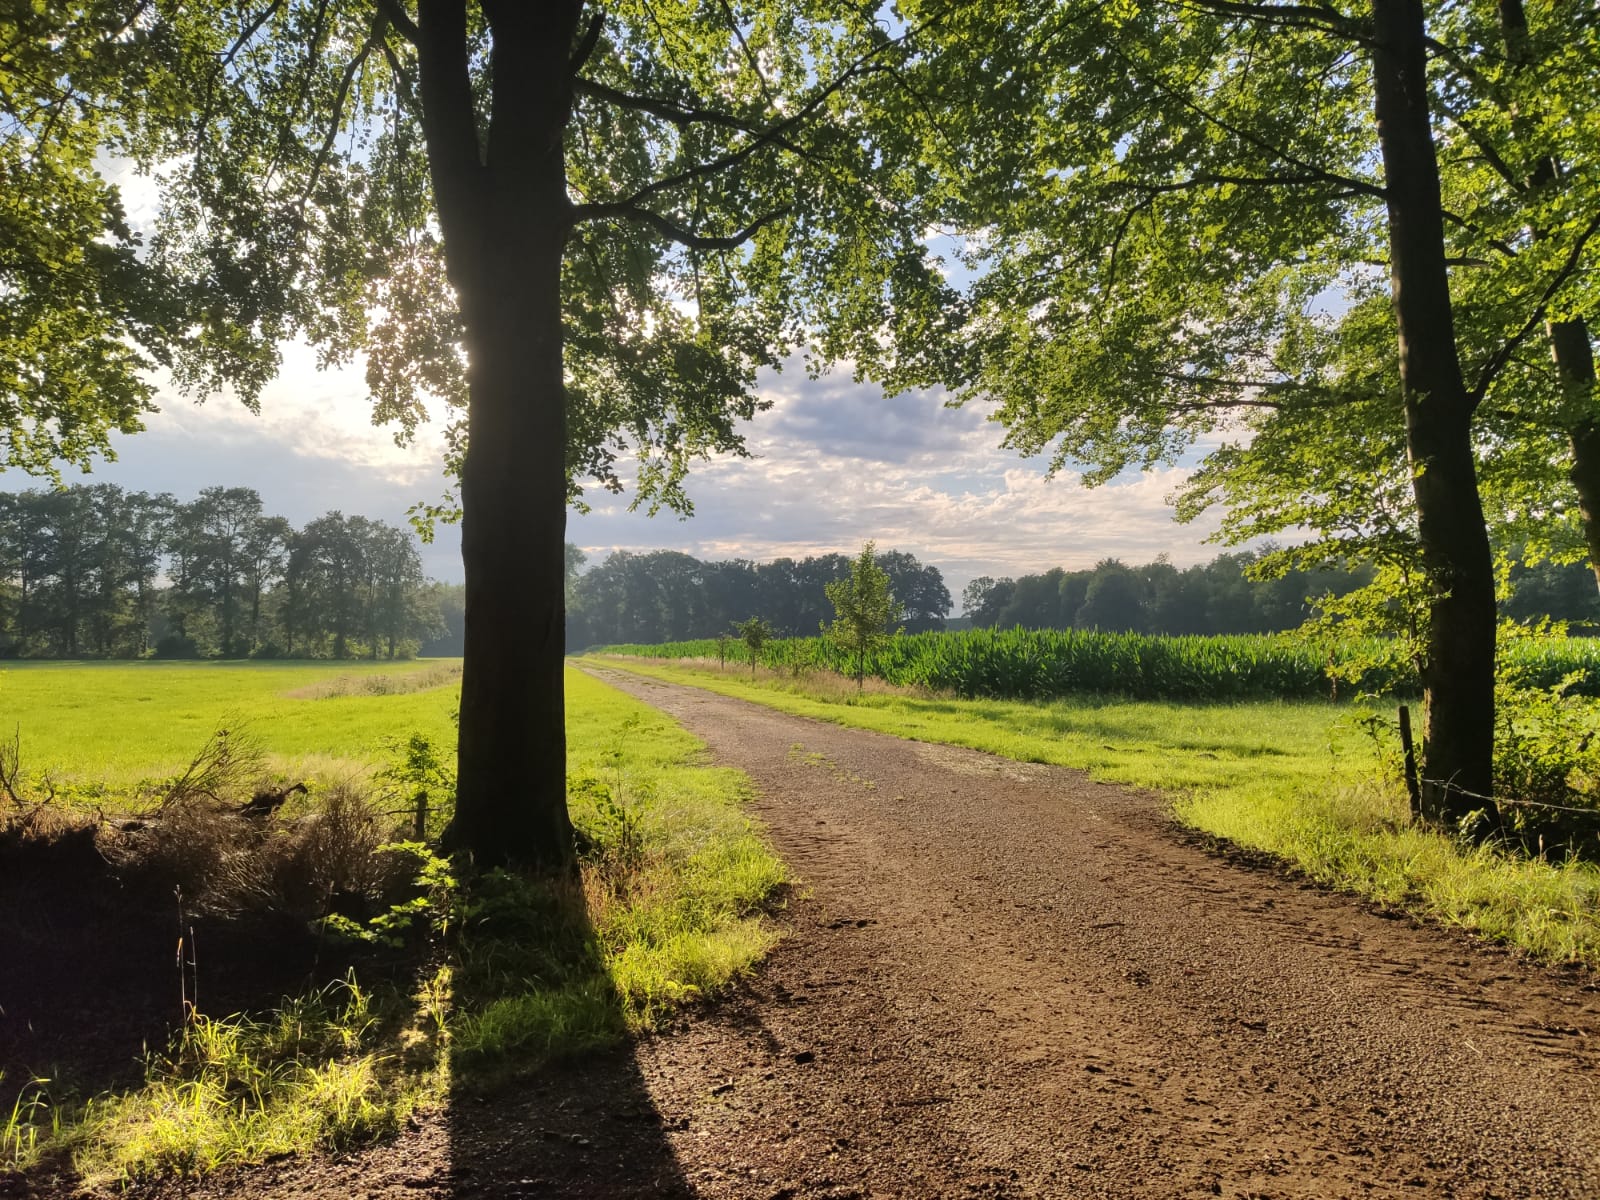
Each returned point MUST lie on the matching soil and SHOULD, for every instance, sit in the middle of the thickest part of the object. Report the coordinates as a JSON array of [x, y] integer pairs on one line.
[[1006, 980]]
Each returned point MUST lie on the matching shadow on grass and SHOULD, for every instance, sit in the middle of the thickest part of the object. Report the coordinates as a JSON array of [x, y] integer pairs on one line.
[[546, 1096]]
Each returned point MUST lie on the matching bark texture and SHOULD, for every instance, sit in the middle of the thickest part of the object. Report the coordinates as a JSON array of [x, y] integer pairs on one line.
[[502, 200], [1458, 675]]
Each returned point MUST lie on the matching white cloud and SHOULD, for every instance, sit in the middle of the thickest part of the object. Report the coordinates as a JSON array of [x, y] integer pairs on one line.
[[835, 463], [838, 463]]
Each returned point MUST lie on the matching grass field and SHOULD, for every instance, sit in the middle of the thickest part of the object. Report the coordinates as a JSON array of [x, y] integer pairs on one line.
[[1300, 781], [671, 906], [105, 725]]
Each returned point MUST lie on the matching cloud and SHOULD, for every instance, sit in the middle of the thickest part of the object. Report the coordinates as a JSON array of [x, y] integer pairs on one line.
[[312, 449], [834, 463]]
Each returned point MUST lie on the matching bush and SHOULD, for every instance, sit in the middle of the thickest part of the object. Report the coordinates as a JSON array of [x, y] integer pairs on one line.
[[175, 645]]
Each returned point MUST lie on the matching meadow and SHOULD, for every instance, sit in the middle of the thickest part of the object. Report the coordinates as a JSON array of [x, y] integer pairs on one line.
[[1051, 664], [450, 987], [103, 727]]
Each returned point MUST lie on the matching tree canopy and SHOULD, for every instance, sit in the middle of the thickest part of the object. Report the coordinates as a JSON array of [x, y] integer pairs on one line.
[[1339, 240], [580, 227]]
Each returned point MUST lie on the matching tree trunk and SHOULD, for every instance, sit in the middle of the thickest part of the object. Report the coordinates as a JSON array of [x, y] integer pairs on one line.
[[506, 216], [1458, 675], [1574, 355]]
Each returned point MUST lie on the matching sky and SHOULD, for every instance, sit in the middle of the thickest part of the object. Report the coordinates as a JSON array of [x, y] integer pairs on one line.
[[833, 464]]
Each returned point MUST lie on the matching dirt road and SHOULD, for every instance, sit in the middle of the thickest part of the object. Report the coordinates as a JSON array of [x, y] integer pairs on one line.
[[1007, 980]]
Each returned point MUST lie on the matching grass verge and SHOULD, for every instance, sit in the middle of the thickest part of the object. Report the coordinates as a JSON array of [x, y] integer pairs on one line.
[[1299, 781], [515, 973]]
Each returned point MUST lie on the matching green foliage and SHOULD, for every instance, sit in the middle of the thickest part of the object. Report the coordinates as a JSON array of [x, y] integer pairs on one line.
[[1547, 747], [866, 614], [756, 634], [1034, 664], [96, 571], [86, 315], [428, 911], [423, 776], [668, 596], [1047, 664], [313, 1074]]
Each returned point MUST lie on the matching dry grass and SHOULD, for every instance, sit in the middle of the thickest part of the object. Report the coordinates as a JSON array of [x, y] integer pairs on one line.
[[828, 685], [378, 685], [227, 862]]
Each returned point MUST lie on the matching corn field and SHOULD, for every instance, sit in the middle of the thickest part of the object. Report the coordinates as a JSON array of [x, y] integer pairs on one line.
[[1033, 664]]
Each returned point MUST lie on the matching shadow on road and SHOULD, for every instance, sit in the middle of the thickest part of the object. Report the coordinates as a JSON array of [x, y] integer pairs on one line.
[[585, 1127]]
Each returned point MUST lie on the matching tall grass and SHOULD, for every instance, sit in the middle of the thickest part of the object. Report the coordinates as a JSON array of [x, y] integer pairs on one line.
[[1050, 664]]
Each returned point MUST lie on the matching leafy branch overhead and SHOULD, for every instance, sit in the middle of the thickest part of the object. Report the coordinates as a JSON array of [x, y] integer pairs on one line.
[[717, 213]]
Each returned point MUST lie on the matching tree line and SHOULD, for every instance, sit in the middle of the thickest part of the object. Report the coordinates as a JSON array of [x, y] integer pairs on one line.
[[97, 571], [668, 596], [1220, 596]]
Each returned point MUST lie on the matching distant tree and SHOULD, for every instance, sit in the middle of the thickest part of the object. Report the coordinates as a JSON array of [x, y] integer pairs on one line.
[[399, 615], [1114, 600], [974, 594], [866, 612], [992, 603], [920, 589], [575, 560], [264, 553], [449, 600], [755, 634]]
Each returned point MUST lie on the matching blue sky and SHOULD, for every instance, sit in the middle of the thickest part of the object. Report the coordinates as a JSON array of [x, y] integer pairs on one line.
[[834, 463]]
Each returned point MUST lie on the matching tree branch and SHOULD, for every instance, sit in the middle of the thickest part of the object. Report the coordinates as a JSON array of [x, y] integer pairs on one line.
[[670, 229], [401, 20], [668, 110], [1486, 148], [1290, 16], [1359, 186], [1501, 357], [1216, 179], [250, 31], [380, 22], [591, 39], [1488, 239]]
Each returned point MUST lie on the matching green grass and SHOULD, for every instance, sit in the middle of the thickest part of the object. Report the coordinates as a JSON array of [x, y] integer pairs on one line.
[[109, 726], [670, 907], [1299, 781]]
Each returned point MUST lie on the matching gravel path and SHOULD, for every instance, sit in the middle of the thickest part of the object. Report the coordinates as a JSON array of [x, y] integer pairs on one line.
[[1007, 980]]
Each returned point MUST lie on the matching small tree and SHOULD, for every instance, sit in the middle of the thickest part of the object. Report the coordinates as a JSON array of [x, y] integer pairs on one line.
[[722, 649], [756, 634], [867, 615]]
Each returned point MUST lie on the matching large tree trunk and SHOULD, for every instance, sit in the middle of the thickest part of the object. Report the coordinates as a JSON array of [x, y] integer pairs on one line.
[[1458, 675], [1574, 355], [506, 216]]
